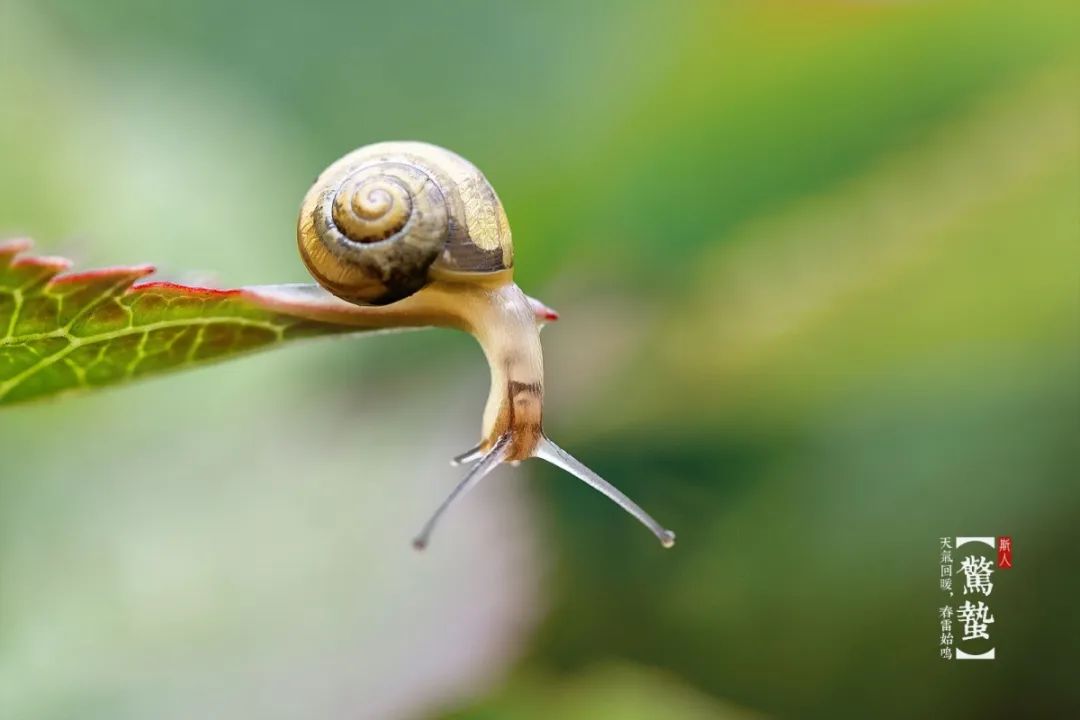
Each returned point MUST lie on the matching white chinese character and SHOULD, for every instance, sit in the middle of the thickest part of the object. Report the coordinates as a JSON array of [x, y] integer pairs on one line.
[[975, 619], [977, 574]]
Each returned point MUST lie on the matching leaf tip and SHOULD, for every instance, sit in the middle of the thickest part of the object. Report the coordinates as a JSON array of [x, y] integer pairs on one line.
[[14, 246], [106, 275]]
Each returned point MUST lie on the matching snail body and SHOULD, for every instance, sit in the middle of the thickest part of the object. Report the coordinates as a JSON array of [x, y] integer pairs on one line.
[[413, 235]]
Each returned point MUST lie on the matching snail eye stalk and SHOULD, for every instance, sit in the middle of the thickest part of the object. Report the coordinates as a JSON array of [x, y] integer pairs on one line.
[[552, 453], [477, 473]]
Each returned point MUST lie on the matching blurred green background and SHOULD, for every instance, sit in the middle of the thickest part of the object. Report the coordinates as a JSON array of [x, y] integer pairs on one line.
[[817, 264]]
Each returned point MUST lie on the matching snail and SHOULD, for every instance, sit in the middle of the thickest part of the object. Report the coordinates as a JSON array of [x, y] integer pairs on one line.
[[413, 235]]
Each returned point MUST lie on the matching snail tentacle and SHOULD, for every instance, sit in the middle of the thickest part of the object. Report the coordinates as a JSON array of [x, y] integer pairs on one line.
[[491, 460]]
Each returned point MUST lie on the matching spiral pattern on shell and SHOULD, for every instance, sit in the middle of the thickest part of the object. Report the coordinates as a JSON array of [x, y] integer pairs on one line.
[[377, 220], [370, 208]]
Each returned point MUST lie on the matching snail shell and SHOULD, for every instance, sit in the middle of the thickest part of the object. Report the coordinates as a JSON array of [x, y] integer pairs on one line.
[[381, 221]]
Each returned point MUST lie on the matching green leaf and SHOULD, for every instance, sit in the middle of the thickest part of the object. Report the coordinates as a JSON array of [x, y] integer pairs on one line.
[[62, 332]]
